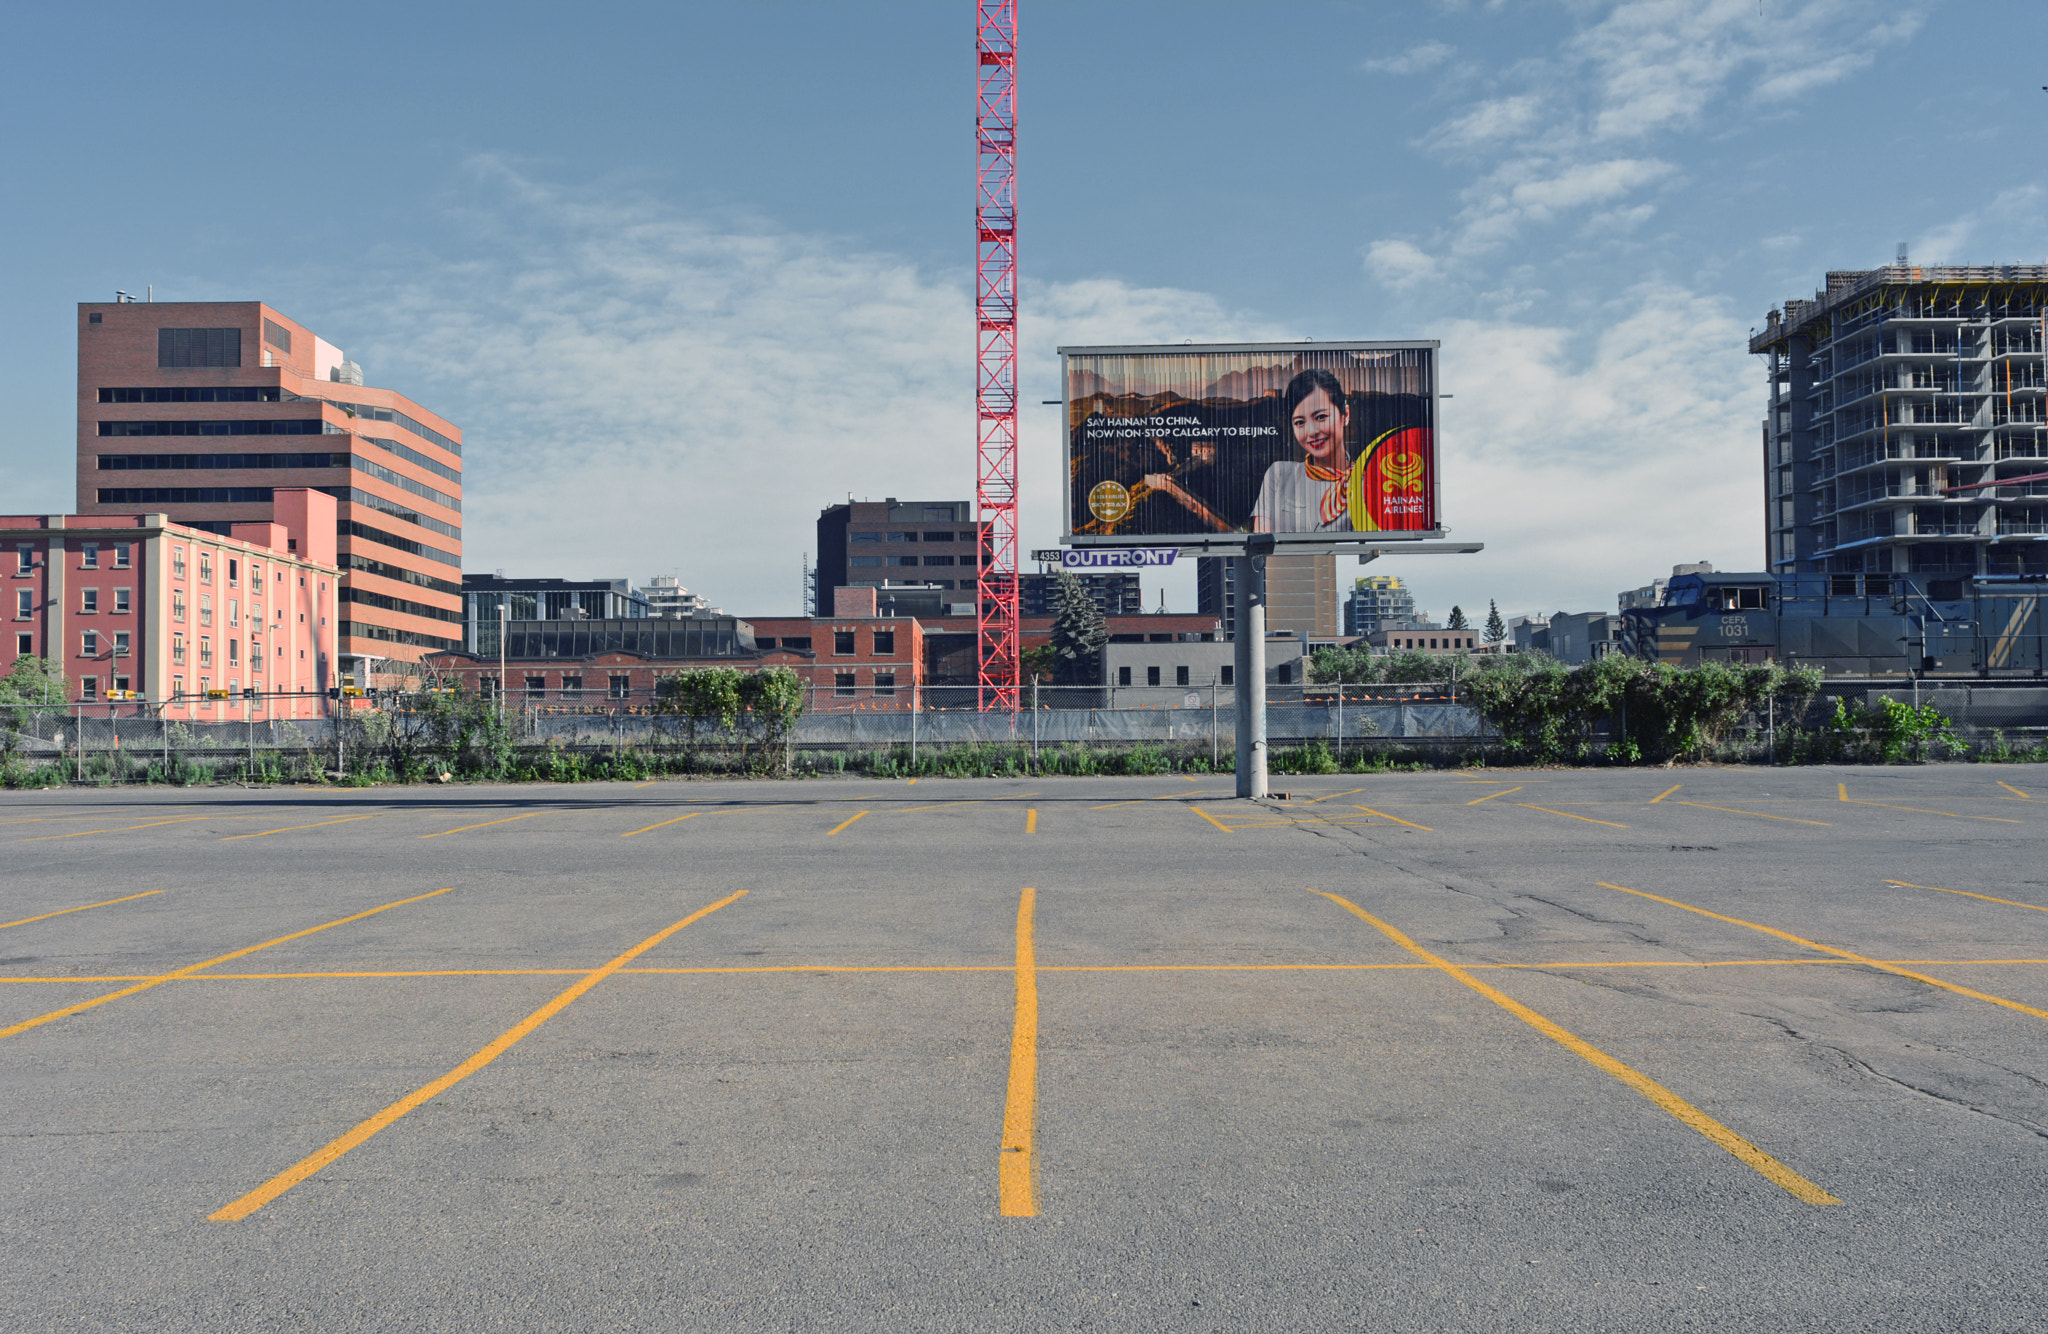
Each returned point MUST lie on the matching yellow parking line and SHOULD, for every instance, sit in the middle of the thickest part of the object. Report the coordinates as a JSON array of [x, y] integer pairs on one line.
[[1332, 797], [905, 810], [183, 819], [1031, 820], [1210, 818], [290, 829], [842, 824], [1020, 1108], [911, 783], [1770, 1168], [1395, 818], [503, 1043], [2015, 903], [663, 824], [488, 823], [1840, 954], [1665, 793], [1758, 814], [1857, 801], [185, 972], [1491, 795], [1134, 801], [80, 908], [2010, 788], [1569, 816]]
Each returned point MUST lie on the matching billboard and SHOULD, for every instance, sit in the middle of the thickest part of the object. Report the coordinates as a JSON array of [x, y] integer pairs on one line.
[[1313, 442]]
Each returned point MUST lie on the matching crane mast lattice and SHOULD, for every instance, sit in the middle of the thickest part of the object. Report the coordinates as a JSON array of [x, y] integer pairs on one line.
[[995, 304]]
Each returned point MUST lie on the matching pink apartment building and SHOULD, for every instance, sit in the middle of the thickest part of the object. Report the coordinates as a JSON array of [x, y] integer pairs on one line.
[[137, 603]]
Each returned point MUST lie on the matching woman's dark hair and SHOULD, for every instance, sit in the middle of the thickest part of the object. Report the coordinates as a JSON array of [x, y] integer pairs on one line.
[[1306, 383]]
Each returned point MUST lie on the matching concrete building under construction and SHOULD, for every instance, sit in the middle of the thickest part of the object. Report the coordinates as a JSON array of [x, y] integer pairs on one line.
[[1905, 432]]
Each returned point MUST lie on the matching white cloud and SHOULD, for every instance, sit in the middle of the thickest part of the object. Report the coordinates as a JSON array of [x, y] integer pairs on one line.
[[643, 391], [1401, 265], [1490, 122], [1415, 60], [1586, 183]]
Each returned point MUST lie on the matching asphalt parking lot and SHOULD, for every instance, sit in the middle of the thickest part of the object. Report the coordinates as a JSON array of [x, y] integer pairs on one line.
[[1692, 1049]]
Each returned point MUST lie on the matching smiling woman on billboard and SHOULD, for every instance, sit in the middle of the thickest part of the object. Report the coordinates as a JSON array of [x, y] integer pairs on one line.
[[1310, 494]]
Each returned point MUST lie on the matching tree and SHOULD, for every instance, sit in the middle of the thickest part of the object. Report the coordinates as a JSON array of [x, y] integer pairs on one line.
[[34, 688], [1457, 621], [1496, 628], [1078, 635]]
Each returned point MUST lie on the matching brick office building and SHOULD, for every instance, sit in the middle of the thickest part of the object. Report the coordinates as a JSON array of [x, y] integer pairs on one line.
[[202, 410], [137, 603]]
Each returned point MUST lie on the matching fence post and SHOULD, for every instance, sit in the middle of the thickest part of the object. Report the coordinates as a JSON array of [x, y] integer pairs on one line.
[[914, 701], [81, 741], [1034, 716], [1215, 750], [1340, 720], [164, 720]]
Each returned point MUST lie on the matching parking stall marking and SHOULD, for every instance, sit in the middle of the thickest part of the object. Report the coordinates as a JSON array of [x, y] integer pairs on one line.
[[1766, 1166], [1569, 816], [504, 1042], [1842, 791], [2015, 903], [103, 903], [1015, 1192], [345, 819], [1395, 818], [157, 981], [1665, 793], [1031, 820], [488, 823], [1840, 954], [2010, 788], [153, 824], [1491, 795], [844, 823], [1790, 819], [1210, 818], [664, 824]]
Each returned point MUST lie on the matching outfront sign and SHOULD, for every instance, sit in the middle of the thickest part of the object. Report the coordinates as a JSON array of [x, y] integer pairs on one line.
[[1114, 558], [1306, 441]]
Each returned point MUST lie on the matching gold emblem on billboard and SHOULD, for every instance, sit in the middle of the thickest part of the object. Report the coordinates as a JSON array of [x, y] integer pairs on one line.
[[1109, 501]]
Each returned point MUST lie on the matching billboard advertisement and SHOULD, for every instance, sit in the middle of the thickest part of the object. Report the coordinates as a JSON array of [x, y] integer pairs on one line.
[[1313, 442]]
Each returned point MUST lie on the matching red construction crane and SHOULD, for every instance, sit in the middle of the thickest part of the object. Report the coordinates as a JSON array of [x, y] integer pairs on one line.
[[999, 673]]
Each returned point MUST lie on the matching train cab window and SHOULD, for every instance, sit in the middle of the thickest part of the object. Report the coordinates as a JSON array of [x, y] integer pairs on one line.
[[1750, 598]]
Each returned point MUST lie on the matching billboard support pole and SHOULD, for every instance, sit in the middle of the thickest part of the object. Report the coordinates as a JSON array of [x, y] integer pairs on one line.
[[1250, 658]]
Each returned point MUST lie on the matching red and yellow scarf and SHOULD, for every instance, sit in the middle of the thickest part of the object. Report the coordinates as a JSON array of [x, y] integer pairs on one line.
[[1335, 502]]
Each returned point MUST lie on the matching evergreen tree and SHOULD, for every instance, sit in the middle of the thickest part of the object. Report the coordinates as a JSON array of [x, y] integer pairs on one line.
[[1078, 635], [1496, 628], [1457, 621]]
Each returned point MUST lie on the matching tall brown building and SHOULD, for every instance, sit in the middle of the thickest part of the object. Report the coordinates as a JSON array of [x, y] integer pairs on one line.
[[200, 410]]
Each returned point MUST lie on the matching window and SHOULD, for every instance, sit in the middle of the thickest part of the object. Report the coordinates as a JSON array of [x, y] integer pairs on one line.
[[572, 688], [24, 558], [902, 560], [93, 318], [255, 655], [234, 572], [177, 562], [88, 601], [178, 650], [864, 560], [205, 567], [938, 560], [1123, 676], [276, 335], [121, 683], [797, 641], [121, 601], [177, 687], [25, 645], [536, 687], [177, 604], [1286, 673], [863, 537], [182, 349], [88, 687], [1229, 675], [842, 642], [1151, 676], [206, 650], [885, 642], [248, 393], [938, 537], [234, 611], [234, 653], [902, 537], [1180, 676], [206, 609], [89, 643], [885, 683], [621, 687], [24, 603], [120, 643], [764, 642], [842, 684], [89, 556], [121, 555]]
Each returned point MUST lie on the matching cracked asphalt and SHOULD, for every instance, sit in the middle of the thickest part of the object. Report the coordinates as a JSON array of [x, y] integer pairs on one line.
[[1537, 1050]]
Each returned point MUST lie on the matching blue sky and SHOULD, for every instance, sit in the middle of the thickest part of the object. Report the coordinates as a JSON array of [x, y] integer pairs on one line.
[[687, 273]]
